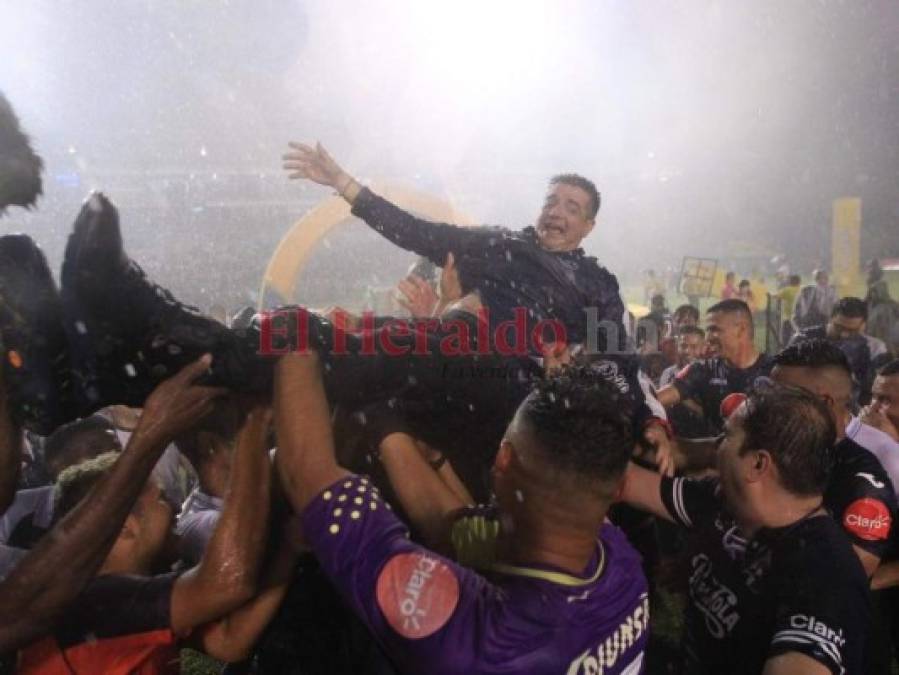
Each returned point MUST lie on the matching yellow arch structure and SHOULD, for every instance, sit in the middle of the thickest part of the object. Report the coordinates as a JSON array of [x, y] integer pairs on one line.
[[293, 251]]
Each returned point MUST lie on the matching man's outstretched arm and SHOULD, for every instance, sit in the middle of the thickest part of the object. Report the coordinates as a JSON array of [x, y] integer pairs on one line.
[[430, 239], [52, 575]]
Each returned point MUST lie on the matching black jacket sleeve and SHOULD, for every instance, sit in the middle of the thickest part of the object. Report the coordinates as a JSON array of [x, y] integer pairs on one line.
[[424, 237]]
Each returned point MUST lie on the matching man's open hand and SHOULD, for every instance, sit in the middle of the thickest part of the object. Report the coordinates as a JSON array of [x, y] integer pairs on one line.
[[315, 164], [178, 403], [420, 297]]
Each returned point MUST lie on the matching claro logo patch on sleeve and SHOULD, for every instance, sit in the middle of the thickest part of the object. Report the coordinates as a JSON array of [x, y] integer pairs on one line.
[[868, 519], [417, 594]]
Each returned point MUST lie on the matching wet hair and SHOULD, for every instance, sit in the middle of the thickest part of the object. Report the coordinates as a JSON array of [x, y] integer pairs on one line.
[[796, 427], [582, 423], [732, 306], [686, 310], [691, 330], [889, 369], [76, 482], [20, 166], [813, 353], [851, 308], [70, 437], [584, 184]]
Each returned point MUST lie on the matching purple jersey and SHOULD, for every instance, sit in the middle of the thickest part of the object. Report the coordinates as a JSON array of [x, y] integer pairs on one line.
[[432, 615]]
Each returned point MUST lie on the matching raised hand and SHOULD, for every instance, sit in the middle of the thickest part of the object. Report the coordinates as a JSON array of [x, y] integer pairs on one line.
[[420, 298], [178, 403], [315, 164]]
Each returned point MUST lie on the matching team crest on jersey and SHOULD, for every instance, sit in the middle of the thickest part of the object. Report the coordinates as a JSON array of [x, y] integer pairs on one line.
[[417, 594]]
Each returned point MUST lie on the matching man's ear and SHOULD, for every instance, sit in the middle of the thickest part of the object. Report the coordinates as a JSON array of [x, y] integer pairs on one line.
[[762, 465]]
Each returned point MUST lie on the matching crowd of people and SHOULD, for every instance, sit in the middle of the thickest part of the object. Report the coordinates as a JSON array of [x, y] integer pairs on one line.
[[510, 478]]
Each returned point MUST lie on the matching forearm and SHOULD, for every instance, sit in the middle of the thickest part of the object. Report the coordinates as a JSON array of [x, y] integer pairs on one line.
[[305, 459], [232, 558], [696, 454], [430, 239], [425, 497], [67, 557], [668, 396], [232, 638], [641, 490]]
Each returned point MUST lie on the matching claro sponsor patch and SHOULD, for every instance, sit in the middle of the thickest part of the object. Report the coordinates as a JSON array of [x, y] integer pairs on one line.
[[868, 519], [417, 594]]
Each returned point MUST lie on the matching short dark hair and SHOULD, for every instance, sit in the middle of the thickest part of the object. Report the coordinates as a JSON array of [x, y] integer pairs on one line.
[[584, 184], [583, 424], [796, 427], [813, 353], [691, 330], [686, 310], [889, 369], [66, 438], [732, 306], [744, 282], [851, 308], [794, 280]]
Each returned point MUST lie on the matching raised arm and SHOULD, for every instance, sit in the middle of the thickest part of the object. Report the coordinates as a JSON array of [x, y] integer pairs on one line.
[[52, 575], [427, 499], [642, 490], [668, 396], [232, 638], [305, 459], [227, 574], [430, 239]]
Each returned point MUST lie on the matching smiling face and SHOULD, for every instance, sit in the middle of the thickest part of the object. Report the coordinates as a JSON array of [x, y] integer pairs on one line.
[[565, 219], [725, 332]]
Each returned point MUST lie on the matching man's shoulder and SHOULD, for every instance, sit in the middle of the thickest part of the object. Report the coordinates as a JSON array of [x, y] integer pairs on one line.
[[852, 458], [816, 549], [859, 475]]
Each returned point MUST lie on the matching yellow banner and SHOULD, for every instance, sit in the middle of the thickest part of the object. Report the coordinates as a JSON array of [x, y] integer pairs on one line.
[[846, 242]]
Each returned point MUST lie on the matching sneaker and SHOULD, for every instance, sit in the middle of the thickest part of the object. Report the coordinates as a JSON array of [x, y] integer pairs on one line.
[[35, 352]]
